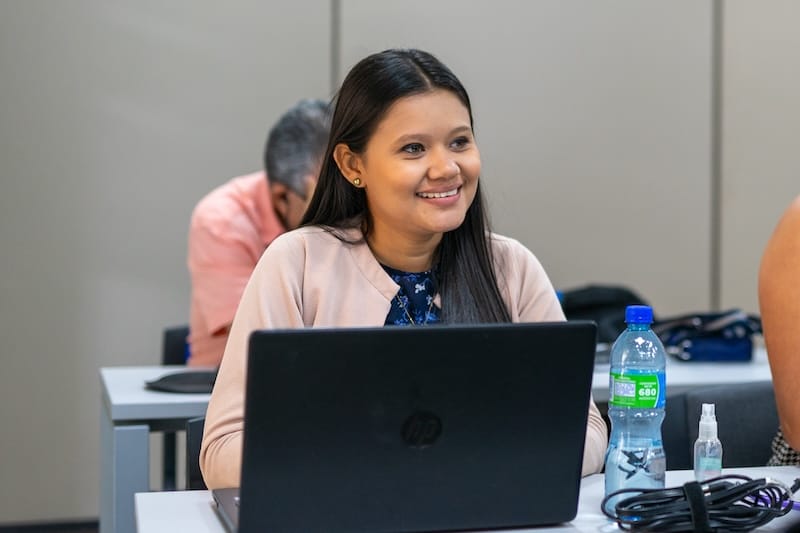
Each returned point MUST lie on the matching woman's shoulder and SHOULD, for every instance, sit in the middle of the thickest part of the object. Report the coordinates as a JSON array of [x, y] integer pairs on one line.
[[305, 243], [523, 282], [508, 246], [512, 258], [314, 236]]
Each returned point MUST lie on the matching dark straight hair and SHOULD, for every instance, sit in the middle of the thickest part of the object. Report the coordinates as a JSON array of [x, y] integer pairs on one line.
[[465, 263]]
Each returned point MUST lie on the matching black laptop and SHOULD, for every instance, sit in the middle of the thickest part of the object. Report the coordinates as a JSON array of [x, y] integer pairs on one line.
[[437, 428]]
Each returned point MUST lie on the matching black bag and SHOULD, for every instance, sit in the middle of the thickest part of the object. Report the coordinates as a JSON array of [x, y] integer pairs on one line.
[[718, 336], [605, 304]]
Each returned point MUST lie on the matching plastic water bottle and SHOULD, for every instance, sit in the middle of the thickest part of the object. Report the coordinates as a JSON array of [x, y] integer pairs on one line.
[[637, 384], [707, 447]]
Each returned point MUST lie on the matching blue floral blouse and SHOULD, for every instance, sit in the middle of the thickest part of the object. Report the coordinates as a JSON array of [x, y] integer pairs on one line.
[[413, 304]]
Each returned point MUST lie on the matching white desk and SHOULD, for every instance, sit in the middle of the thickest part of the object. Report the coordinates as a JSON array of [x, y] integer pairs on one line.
[[684, 375], [128, 414], [166, 512]]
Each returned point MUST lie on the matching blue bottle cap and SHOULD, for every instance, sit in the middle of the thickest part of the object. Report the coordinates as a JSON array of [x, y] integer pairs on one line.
[[639, 314]]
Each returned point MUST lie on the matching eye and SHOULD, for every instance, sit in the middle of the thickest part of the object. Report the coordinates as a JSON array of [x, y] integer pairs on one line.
[[413, 148], [460, 143]]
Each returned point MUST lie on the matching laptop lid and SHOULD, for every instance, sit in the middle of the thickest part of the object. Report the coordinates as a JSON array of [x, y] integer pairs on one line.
[[226, 503], [415, 429]]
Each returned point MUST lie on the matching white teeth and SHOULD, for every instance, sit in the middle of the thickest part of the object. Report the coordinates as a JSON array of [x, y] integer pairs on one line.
[[437, 194]]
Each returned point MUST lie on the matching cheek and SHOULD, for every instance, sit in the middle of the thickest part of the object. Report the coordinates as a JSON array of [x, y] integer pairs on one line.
[[394, 178], [473, 170], [471, 165]]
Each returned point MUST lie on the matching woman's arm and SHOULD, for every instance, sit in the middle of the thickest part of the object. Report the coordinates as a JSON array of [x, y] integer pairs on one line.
[[272, 299], [779, 301], [528, 290]]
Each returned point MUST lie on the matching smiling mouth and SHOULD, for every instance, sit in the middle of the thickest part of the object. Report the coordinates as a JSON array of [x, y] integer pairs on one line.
[[444, 194]]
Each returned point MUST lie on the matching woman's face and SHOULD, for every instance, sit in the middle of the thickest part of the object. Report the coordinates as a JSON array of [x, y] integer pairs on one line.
[[420, 168]]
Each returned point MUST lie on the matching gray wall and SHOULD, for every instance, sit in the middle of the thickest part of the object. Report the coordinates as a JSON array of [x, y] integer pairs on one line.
[[760, 136], [115, 118], [594, 121]]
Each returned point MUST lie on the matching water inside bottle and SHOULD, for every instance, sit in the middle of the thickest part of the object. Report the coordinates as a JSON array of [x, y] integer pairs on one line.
[[635, 464]]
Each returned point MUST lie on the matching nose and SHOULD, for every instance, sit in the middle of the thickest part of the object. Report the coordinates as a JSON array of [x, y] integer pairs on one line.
[[443, 165]]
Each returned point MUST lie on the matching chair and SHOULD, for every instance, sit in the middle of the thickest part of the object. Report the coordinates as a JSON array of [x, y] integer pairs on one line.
[[746, 416], [675, 434], [194, 438], [174, 350]]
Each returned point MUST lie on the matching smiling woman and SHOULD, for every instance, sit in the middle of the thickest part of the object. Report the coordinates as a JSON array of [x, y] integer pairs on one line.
[[395, 234], [402, 134], [419, 172]]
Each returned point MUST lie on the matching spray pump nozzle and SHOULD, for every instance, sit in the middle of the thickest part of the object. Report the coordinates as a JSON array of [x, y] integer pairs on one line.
[[708, 422]]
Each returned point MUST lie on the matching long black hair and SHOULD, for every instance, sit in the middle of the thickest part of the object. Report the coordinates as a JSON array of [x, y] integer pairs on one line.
[[465, 269]]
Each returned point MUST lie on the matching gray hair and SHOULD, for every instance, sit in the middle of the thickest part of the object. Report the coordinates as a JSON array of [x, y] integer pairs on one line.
[[297, 143]]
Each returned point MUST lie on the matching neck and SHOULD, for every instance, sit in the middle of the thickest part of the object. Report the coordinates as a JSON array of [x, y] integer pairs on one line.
[[402, 252]]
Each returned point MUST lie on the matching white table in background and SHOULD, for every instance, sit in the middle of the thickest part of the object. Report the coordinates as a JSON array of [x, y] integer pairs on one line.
[[685, 375], [166, 512], [128, 414]]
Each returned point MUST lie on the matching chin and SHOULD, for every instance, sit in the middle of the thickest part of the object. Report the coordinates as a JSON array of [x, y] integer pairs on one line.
[[448, 225]]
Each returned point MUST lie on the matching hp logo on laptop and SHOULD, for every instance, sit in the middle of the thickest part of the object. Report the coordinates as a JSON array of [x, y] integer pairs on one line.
[[421, 429]]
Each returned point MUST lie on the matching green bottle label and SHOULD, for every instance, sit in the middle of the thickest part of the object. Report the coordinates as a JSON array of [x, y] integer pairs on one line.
[[640, 391]]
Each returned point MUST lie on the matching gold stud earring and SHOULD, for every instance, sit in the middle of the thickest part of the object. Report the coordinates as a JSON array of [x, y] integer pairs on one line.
[[357, 182]]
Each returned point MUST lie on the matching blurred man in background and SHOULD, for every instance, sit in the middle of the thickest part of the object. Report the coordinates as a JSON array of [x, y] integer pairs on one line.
[[232, 225]]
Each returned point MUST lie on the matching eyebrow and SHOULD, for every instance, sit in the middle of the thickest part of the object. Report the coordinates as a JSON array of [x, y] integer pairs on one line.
[[416, 136]]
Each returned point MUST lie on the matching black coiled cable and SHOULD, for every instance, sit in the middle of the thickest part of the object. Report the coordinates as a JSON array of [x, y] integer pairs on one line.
[[725, 503]]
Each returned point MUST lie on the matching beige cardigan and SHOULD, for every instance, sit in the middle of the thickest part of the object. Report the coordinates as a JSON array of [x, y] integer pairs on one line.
[[308, 277]]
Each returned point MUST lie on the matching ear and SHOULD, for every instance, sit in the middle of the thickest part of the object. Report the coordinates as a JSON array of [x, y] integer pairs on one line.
[[349, 162], [279, 194]]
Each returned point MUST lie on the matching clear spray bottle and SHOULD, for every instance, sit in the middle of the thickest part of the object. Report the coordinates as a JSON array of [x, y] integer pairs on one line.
[[707, 448]]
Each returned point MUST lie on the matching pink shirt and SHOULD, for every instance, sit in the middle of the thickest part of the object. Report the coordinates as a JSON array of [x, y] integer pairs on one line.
[[230, 229], [308, 278]]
